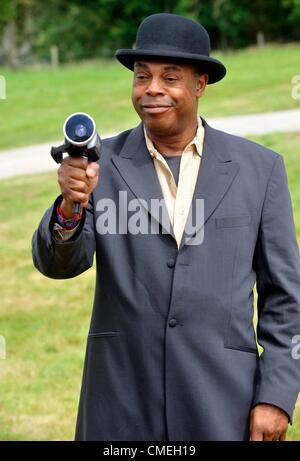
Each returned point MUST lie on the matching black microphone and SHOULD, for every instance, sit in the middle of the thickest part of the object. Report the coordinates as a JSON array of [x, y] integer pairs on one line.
[[81, 140]]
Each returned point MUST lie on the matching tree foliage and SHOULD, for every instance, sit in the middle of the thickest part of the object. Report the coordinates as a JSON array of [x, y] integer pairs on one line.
[[93, 28]]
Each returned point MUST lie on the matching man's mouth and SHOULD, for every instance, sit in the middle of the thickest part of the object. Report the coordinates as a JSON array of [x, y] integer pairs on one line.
[[155, 108]]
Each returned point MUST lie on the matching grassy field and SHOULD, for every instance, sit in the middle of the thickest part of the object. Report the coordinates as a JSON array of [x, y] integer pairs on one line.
[[45, 322], [38, 100]]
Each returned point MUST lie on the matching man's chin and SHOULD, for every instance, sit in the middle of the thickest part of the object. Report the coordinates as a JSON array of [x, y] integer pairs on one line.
[[158, 125]]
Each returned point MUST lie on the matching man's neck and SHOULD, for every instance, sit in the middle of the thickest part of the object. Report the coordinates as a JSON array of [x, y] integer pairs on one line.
[[173, 144]]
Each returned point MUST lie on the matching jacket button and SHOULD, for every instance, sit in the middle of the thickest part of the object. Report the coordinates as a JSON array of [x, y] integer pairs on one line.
[[172, 323], [171, 262]]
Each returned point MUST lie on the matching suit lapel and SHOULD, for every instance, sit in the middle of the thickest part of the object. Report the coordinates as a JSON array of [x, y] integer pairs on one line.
[[136, 167], [216, 174]]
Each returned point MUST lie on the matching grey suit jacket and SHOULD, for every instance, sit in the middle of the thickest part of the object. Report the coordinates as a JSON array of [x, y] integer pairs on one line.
[[171, 352]]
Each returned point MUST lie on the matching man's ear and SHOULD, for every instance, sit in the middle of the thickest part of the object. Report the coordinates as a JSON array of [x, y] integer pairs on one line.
[[201, 83]]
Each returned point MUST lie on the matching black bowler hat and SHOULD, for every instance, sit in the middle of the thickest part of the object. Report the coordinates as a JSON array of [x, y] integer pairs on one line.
[[171, 36]]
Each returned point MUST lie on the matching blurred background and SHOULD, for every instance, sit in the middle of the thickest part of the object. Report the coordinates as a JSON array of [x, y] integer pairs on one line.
[[57, 58]]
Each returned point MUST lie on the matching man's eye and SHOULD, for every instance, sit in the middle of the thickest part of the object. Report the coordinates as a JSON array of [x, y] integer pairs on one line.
[[171, 79], [140, 77]]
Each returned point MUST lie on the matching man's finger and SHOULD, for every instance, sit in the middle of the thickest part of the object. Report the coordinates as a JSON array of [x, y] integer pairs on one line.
[[92, 170], [77, 162], [269, 437], [256, 436], [282, 436]]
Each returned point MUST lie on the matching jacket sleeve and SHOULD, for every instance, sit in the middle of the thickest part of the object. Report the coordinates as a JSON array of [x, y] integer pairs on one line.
[[277, 264], [65, 259]]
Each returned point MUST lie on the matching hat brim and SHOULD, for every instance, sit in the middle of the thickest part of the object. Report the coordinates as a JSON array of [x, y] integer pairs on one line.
[[214, 68]]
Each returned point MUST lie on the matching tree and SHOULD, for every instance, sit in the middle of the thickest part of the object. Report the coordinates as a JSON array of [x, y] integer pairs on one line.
[[92, 28], [16, 31], [293, 16]]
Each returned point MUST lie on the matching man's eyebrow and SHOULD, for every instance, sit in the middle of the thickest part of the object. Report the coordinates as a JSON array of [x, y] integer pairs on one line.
[[172, 67]]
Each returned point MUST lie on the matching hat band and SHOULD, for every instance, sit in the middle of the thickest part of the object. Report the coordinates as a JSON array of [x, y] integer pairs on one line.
[[166, 48]]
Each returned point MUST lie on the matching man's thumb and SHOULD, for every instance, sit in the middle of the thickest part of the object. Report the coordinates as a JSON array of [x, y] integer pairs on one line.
[[92, 170]]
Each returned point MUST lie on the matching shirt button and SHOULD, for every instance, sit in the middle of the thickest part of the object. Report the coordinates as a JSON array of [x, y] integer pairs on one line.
[[171, 263], [172, 323], [181, 211]]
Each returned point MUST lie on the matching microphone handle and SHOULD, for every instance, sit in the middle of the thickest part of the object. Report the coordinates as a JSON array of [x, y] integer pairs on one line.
[[76, 208]]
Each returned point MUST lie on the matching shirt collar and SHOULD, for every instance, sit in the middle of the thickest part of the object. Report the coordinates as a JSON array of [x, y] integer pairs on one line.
[[197, 142]]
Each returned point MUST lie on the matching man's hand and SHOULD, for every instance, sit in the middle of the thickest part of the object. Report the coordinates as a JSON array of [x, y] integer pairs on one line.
[[77, 179], [268, 423]]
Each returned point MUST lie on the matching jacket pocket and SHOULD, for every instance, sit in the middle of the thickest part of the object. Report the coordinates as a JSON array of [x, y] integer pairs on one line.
[[233, 221], [102, 334], [252, 350], [240, 331]]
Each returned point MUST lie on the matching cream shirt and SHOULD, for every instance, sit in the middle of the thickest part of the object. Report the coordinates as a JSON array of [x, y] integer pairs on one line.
[[178, 198]]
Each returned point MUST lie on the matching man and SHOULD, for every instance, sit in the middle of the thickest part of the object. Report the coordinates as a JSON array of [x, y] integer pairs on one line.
[[171, 353]]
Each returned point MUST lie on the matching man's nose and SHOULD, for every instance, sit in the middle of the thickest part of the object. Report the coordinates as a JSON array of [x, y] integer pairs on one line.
[[154, 87]]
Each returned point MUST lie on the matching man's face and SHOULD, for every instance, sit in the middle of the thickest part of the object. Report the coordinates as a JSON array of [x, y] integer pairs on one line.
[[165, 95]]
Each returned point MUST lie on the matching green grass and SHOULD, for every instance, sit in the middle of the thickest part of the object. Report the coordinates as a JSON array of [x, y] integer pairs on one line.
[[39, 99], [45, 322]]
